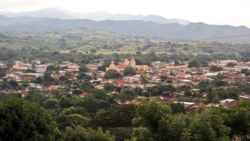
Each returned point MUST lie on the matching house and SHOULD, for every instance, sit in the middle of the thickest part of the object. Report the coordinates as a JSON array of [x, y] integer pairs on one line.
[[227, 103], [119, 82], [23, 92], [244, 97], [186, 104], [18, 63], [84, 95], [41, 68], [4, 68], [197, 105], [227, 61], [37, 61], [142, 68]]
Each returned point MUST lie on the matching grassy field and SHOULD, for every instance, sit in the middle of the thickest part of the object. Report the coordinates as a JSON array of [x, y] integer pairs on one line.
[[83, 40]]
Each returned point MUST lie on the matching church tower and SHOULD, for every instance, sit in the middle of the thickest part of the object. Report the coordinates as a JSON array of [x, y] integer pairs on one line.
[[126, 62], [112, 67], [133, 63]]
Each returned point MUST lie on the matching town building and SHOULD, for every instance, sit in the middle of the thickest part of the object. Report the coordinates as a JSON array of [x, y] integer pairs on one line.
[[121, 68]]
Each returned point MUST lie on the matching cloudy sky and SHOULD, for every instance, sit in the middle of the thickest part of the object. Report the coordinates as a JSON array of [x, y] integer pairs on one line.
[[230, 12]]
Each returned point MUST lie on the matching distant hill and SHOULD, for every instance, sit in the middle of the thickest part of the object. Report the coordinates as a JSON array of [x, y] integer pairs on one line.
[[150, 28], [43, 13], [61, 13], [191, 31], [5, 21], [204, 31]]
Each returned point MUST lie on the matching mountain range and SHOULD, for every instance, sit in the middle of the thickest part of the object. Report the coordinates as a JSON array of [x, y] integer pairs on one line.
[[192, 31], [61, 13]]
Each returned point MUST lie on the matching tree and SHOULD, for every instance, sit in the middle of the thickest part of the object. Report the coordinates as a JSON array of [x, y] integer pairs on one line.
[[244, 70], [2, 73], [13, 83], [149, 115], [75, 110], [50, 103], [63, 78], [176, 63], [39, 80], [22, 120], [99, 94], [109, 87], [82, 76], [177, 108], [65, 102], [129, 71], [171, 88], [211, 51], [210, 95], [83, 69], [89, 104], [34, 96], [158, 124], [233, 95], [231, 64], [247, 73], [170, 81], [88, 134], [138, 53], [103, 67], [215, 68], [68, 74], [9, 65], [52, 68], [87, 87], [187, 93], [93, 50], [118, 89], [193, 64], [47, 77], [115, 117], [111, 74], [163, 78], [238, 119], [127, 95], [144, 80], [185, 48]]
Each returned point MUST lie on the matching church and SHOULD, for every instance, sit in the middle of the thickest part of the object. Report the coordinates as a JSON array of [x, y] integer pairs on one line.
[[121, 68]]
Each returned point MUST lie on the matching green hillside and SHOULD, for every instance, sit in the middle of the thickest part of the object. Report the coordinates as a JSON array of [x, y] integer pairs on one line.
[[172, 31]]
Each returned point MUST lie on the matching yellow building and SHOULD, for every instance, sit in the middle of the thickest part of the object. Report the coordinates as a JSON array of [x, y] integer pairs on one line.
[[112, 67], [175, 67], [142, 67], [120, 68]]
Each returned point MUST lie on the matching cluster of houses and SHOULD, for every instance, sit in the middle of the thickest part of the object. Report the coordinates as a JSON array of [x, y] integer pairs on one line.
[[177, 75]]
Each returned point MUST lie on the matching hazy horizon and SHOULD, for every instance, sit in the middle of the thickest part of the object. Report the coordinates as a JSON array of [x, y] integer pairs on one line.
[[223, 12]]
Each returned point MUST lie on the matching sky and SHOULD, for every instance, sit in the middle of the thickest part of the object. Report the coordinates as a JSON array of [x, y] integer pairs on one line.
[[223, 12]]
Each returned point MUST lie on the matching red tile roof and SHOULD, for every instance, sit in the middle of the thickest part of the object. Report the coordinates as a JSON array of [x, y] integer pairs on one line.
[[119, 82], [52, 87], [28, 77], [84, 95], [121, 66], [24, 92], [56, 77], [229, 104]]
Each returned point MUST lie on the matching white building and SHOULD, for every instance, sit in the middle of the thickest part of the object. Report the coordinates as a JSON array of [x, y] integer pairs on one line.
[[227, 61], [41, 68]]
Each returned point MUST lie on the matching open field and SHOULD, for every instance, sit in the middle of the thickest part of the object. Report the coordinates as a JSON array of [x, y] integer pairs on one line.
[[105, 42]]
